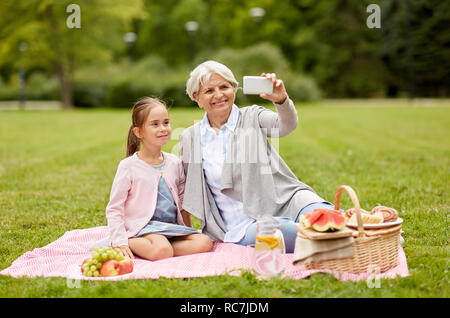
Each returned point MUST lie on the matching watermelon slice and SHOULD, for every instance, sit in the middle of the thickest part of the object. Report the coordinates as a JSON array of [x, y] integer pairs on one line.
[[339, 221], [323, 223], [310, 218], [323, 220]]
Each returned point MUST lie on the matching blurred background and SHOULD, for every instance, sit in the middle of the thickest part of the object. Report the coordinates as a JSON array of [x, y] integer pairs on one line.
[[114, 52]]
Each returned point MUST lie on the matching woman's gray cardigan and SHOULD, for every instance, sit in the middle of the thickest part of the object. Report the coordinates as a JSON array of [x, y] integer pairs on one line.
[[252, 173]]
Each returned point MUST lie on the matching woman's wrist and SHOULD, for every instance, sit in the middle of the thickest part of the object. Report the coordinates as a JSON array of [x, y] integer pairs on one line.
[[282, 101]]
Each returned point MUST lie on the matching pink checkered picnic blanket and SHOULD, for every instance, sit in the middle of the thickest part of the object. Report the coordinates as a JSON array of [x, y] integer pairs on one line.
[[63, 258]]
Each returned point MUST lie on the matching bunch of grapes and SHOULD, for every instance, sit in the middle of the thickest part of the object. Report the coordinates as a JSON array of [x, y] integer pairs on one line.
[[91, 267]]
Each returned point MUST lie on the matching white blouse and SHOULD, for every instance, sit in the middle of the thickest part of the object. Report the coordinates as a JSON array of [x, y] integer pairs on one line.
[[213, 155]]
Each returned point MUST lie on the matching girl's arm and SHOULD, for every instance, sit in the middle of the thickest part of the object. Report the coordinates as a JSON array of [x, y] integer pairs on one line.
[[181, 184], [116, 206]]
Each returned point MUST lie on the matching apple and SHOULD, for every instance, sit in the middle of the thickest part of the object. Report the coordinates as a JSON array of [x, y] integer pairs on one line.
[[125, 266], [84, 262], [110, 268]]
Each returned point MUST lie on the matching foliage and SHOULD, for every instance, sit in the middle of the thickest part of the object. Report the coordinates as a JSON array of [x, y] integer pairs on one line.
[[417, 46], [121, 85], [325, 45], [51, 44], [326, 40], [40, 86], [125, 82]]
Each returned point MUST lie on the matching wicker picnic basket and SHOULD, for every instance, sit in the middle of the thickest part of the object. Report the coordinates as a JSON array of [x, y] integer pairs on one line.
[[372, 249]]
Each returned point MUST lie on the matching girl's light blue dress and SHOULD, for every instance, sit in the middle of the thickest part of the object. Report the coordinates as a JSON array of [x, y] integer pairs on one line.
[[164, 220]]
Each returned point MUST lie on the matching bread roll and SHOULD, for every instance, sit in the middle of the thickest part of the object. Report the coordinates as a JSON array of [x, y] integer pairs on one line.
[[389, 214], [352, 211], [368, 218]]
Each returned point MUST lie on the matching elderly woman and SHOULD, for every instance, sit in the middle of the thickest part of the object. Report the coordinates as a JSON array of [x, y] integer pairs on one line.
[[233, 174]]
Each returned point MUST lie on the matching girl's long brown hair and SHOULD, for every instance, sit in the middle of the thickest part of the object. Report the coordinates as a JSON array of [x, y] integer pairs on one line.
[[139, 115]]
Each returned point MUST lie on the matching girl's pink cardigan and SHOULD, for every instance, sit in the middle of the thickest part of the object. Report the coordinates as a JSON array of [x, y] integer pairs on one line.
[[134, 193]]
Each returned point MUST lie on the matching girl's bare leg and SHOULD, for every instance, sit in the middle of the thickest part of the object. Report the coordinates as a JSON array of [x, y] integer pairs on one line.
[[151, 246], [190, 244]]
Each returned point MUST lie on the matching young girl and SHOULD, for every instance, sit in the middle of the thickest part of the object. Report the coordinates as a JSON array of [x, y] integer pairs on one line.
[[144, 212]]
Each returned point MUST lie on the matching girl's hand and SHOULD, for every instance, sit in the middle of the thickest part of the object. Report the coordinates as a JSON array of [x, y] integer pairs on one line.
[[126, 251], [279, 94], [186, 218]]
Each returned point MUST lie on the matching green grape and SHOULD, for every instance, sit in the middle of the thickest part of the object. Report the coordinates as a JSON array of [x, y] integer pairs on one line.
[[93, 268], [104, 256], [96, 274], [89, 273]]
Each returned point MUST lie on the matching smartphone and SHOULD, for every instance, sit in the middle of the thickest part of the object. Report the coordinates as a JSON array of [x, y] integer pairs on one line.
[[255, 85]]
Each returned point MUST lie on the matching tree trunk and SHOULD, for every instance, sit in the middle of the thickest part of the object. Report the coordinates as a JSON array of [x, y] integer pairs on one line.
[[65, 82], [64, 63]]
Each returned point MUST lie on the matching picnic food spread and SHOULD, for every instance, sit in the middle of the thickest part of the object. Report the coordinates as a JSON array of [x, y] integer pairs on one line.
[[363, 239], [105, 262], [350, 212], [368, 218], [379, 214], [322, 220], [389, 214]]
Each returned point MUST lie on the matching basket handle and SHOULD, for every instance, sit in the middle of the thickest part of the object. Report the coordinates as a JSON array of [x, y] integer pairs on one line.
[[354, 198]]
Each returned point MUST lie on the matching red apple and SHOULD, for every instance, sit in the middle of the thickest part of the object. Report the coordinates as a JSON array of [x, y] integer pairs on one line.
[[125, 266], [84, 262], [110, 268]]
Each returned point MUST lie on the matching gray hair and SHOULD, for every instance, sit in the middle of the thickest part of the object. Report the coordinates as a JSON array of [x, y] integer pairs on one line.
[[201, 74]]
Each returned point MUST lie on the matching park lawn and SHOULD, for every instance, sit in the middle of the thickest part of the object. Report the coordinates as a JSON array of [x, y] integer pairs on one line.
[[56, 170]]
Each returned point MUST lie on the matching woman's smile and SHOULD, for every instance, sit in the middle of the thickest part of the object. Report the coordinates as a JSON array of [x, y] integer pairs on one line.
[[220, 103]]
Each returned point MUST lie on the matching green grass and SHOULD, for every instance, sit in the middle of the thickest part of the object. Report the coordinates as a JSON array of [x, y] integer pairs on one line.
[[56, 170]]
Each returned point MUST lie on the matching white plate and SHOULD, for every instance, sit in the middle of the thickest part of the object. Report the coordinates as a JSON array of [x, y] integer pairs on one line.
[[377, 225]]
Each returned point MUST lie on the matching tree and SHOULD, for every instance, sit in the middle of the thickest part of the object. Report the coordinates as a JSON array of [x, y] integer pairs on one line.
[[333, 44], [163, 33], [417, 46], [52, 43]]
